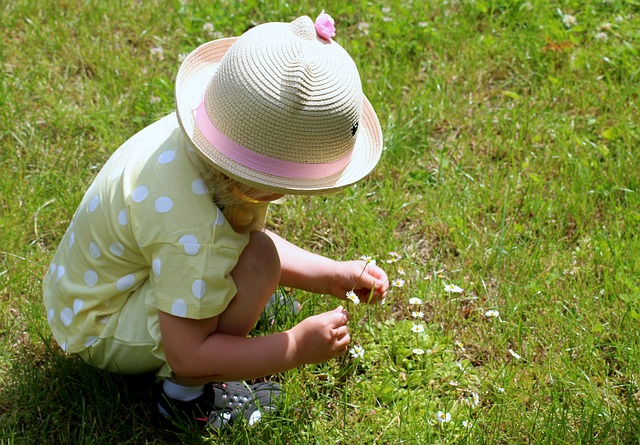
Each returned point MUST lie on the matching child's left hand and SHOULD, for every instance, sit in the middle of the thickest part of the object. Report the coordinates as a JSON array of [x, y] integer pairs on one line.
[[362, 278]]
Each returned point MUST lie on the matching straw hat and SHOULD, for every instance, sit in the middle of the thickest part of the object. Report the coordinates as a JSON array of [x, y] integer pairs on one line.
[[279, 108]]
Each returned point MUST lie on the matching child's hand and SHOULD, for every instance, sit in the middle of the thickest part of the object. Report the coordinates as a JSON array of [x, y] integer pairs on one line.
[[362, 278], [321, 337]]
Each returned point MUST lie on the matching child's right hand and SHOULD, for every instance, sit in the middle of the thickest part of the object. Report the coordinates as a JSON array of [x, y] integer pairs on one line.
[[322, 337]]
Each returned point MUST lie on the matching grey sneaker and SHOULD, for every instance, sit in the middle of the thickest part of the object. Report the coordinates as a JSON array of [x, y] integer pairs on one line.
[[222, 404]]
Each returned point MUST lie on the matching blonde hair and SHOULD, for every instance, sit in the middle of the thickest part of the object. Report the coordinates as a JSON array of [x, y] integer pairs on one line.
[[240, 204]]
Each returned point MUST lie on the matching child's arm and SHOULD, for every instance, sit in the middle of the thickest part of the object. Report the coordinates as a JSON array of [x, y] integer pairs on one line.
[[198, 354], [304, 270]]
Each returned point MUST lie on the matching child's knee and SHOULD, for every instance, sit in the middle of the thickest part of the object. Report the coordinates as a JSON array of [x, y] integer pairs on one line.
[[259, 262]]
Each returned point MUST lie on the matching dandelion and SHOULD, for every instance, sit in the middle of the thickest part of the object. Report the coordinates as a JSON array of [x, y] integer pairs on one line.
[[398, 282], [415, 300], [351, 295], [418, 351], [417, 328], [569, 20], [443, 417], [492, 313], [515, 354], [452, 288], [418, 314], [357, 351]]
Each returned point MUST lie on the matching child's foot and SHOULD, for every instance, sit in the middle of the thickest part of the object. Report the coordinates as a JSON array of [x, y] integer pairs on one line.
[[223, 403]]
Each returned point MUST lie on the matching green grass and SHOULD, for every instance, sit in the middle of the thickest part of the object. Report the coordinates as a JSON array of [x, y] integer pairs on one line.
[[511, 169]]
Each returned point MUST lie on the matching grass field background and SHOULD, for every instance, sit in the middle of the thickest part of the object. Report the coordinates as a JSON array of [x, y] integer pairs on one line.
[[505, 209]]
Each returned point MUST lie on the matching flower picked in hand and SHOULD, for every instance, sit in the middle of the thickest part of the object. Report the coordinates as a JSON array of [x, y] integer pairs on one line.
[[325, 26]]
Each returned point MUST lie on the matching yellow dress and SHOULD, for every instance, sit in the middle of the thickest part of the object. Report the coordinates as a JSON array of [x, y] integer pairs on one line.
[[146, 237]]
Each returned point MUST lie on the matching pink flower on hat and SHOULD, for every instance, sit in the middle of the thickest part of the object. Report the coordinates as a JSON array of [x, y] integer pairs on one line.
[[325, 26]]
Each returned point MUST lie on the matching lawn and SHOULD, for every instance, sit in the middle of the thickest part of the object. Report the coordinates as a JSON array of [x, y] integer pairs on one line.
[[505, 209]]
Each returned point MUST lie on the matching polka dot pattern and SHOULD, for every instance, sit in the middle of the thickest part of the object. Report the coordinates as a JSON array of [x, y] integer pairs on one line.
[[164, 204], [179, 308], [94, 250], [137, 208], [167, 157], [125, 283], [59, 273], [91, 278], [219, 218], [199, 187], [78, 304], [66, 316], [140, 194], [190, 243], [93, 204], [116, 248], [198, 288], [156, 266], [123, 217]]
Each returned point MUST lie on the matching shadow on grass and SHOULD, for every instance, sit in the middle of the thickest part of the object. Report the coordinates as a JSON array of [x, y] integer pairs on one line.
[[52, 397], [55, 398]]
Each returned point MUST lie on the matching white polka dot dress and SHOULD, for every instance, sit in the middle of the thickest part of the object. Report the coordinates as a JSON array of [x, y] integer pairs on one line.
[[147, 219]]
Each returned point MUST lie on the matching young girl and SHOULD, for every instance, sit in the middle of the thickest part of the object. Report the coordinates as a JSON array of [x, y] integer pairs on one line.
[[166, 266]]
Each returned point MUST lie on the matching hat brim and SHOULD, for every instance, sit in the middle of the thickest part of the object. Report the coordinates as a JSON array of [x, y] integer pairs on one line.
[[192, 79]]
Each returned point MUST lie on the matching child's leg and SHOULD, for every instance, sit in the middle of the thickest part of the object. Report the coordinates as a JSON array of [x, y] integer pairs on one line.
[[256, 276]]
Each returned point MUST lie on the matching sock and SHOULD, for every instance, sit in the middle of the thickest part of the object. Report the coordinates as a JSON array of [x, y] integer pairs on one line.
[[180, 392]]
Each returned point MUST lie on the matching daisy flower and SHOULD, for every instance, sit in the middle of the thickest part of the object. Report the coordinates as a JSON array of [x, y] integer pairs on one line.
[[418, 314], [401, 271], [395, 256], [351, 295], [415, 300], [357, 351], [443, 417], [398, 282], [157, 52], [418, 351], [452, 288], [368, 259], [417, 328], [492, 313], [569, 20]]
